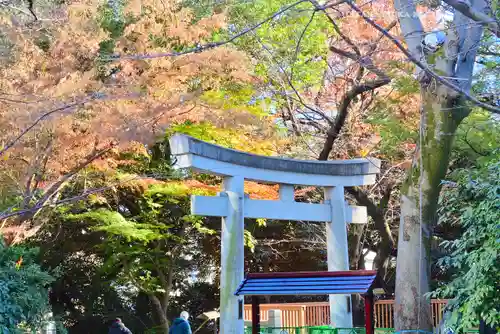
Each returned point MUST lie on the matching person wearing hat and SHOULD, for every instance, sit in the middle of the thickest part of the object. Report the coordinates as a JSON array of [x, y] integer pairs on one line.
[[117, 327], [181, 325]]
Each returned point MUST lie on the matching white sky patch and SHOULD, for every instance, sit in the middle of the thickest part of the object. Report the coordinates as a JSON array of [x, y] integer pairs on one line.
[[369, 260]]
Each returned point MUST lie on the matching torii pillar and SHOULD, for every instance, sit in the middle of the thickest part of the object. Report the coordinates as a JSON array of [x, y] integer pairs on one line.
[[233, 206]]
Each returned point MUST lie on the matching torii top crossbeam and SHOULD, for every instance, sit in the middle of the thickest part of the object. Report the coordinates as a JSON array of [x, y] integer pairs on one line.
[[214, 159]]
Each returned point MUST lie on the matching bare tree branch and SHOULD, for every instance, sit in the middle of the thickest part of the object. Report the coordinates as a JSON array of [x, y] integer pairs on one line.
[[87, 161], [334, 131], [292, 86], [57, 186], [423, 66], [42, 117], [365, 62], [4, 100], [36, 172], [313, 124], [471, 146], [9, 213]]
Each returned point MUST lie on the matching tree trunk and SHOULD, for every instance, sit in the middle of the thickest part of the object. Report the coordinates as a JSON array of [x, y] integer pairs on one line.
[[377, 213], [382, 259], [385, 247], [265, 267], [355, 242], [358, 310], [160, 313], [162, 303], [441, 113], [167, 286]]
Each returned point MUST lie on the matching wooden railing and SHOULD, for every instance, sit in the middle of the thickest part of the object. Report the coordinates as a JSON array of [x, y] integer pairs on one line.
[[295, 314], [292, 315], [437, 310], [318, 314], [384, 312]]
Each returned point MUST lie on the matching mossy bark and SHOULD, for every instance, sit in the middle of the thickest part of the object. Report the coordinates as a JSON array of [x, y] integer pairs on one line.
[[442, 111]]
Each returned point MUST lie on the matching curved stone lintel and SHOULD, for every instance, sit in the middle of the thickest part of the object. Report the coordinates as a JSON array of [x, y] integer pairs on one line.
[[210, 158]]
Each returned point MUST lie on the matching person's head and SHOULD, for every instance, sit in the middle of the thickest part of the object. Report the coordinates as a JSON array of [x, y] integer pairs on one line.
[[184, 315], [118, 320]]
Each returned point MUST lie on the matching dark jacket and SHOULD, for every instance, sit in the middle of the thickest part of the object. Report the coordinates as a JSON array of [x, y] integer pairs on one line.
[[118, 328], [180, 326]]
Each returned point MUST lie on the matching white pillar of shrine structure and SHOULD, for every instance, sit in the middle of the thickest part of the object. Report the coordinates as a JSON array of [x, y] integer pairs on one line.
[[233, 206]]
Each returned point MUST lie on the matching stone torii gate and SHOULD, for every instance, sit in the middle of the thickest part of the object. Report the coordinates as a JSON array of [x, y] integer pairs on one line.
[[233, 206]]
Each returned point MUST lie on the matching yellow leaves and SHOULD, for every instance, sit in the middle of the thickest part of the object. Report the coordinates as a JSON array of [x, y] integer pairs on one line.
[[43, 67], [97, 199], [244, 138], [261, 222], [5, 21], [369, 144]]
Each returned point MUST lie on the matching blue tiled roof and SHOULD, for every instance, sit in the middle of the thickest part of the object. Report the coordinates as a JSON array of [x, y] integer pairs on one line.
[[310, 283]]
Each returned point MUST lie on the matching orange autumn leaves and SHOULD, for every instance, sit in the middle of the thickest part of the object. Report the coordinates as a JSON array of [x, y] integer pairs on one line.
[[253, 189], [194, 187], [135, 103]]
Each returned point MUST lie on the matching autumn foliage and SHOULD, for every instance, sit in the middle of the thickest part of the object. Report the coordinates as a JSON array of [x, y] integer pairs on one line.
[[92, 86]]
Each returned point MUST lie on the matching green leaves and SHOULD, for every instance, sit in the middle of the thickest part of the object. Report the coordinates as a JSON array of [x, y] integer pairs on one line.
[[477, 139], [114, 223], [173, 192], [406, 84], [23, 290], [111, 18], [147, 234], [238, 97], [249, 240], [282, 35], [290, 48], [393, 130], [474, 257]]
